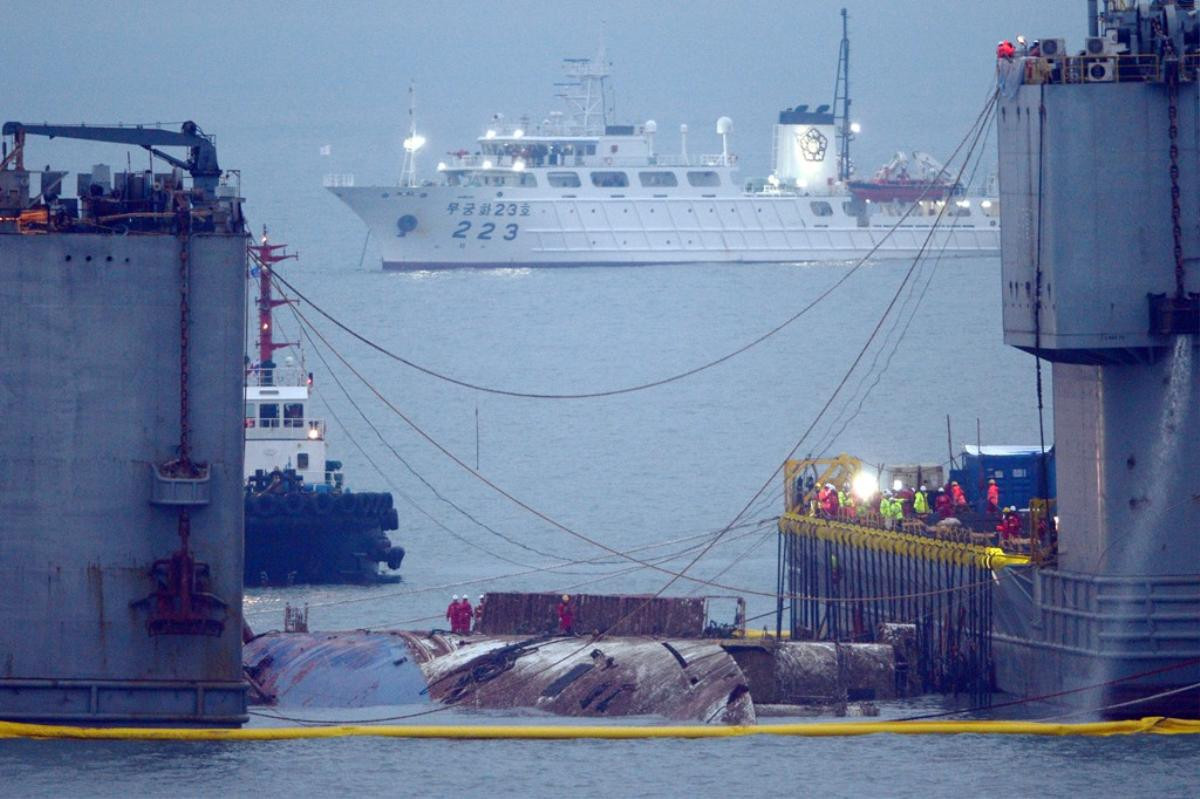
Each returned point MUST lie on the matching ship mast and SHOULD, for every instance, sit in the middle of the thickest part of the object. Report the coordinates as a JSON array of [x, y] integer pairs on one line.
[[841, 92], [412, 143], [266, 256]]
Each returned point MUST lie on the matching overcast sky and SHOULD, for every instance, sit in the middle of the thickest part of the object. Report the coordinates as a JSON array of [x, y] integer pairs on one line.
[[300, 73]]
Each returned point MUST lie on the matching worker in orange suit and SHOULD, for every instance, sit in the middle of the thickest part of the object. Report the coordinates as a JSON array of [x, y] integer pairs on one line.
[[452, 613], [993, 497], [958, 495]]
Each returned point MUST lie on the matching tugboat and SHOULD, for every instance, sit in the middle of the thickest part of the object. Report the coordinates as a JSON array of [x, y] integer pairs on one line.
[[303, 525]]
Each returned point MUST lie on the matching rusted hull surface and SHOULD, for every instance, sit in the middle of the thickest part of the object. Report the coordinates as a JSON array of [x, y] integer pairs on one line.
[[806, 669], [344, 669], [681, 680], [623, 614]]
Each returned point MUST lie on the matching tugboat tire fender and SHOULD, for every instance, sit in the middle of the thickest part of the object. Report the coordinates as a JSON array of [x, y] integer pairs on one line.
[[322, 504], [265, 505], [345, 503], [390, 520], [294, 503]]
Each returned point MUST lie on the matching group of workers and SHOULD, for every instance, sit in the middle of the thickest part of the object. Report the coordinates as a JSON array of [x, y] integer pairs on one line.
[[894, 507], [462, 616], [1008, 51]]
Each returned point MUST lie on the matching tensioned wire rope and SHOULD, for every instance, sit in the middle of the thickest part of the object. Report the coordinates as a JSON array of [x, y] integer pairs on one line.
[[557, 569], [919, 262], [976, 129], [653, 383], [532, 570], [539, 514], [972, 136], [615, 391], [437, 522], [863, 389]]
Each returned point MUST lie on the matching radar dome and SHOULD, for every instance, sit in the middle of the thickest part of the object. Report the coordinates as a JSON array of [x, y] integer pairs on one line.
[[651, 126], [724, 125]]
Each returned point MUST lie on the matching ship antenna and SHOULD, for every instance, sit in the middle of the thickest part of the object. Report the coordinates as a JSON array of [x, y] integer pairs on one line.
[[841, 92]]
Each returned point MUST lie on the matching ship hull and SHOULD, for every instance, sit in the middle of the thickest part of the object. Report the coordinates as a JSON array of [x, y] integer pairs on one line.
[[441, 227]]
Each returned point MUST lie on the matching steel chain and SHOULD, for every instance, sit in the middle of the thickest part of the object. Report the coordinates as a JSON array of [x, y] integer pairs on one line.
[[1173, 132], [185, 459], [184, 342]]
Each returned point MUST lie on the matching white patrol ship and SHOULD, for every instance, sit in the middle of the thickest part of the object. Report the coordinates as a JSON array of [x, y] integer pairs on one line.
[[575, 190]]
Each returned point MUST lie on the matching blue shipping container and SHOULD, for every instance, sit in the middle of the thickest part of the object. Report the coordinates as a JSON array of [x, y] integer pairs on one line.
[[1016, 470]]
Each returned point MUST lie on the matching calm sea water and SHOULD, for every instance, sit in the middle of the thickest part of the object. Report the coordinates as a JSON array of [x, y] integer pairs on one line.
[[630, 471]]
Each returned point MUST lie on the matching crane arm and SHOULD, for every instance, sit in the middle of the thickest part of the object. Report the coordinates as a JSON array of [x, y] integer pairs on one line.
[[202, 153]]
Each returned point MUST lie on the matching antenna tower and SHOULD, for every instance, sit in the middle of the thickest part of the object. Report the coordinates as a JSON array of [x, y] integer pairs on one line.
[[841, 102]]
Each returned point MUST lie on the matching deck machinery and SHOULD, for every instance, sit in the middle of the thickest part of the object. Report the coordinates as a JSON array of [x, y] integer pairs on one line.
[[122, 321]]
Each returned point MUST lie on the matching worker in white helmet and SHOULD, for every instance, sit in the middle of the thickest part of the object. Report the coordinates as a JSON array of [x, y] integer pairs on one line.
[[566, 616], [479, 614], [466, 613]]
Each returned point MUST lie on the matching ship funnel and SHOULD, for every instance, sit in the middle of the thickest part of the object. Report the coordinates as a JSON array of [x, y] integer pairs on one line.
[[804, 153]]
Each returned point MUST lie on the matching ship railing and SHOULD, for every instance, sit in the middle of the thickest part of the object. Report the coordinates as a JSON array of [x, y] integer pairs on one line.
[[592, 161], [260, 376], [716, 159], [1108, 68], [965, 527], [311, 429]]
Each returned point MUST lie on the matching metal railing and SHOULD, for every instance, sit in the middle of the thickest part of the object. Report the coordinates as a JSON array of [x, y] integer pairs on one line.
[[313, 429], [596, 161], [970, 527], [259, 376], [1109, 68]]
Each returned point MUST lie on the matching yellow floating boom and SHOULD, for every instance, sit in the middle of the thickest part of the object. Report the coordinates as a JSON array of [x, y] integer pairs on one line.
[[1155, 725]]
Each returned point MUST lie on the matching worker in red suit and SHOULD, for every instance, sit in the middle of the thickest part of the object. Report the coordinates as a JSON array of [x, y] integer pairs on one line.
[[943, 505], [452, 613], [829, 501], [1013, 524], [993, 494], [1005, 50], [465, 613], [566, 616]]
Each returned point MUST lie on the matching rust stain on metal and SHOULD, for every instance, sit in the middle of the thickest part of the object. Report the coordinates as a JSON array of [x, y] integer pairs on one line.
[[510, 613], [682, 680]]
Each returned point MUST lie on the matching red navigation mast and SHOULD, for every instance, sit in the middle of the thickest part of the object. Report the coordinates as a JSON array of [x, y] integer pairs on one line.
[[267, 255]]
